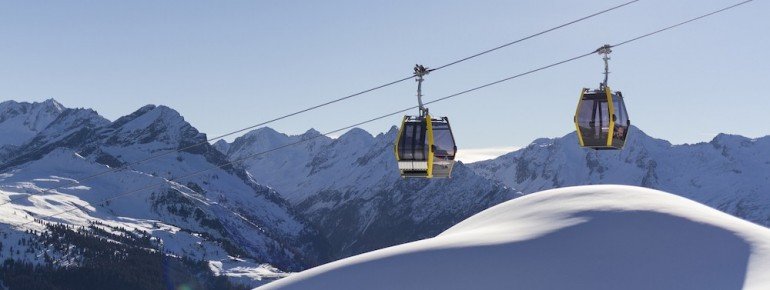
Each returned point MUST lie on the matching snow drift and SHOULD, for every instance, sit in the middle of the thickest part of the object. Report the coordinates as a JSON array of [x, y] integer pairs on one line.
[[587, 237]]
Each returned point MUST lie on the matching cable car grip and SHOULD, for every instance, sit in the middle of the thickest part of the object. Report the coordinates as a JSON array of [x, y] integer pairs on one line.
[[419, 72]]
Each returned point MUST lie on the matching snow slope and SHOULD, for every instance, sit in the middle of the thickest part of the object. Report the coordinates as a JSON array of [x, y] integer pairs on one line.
[[587, 237], [159, 212]]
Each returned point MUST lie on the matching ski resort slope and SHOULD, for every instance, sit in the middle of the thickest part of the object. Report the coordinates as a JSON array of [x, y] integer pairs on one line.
[[586, 237]]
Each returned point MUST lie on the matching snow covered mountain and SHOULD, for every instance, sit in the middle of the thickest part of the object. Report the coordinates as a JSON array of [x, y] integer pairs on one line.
[[587, 237], [22, 120], [215, 216], [302, 205], [19, 122], [350, 187], [731, 173]]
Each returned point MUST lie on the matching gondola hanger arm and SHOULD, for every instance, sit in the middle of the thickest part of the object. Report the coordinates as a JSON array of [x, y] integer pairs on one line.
[[605, 51]]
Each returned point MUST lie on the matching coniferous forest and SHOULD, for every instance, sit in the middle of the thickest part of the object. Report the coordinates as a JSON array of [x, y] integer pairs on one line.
[[101, 259]]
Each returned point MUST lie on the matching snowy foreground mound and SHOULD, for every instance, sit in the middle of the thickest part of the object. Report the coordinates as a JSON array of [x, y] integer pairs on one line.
[[587, 237]]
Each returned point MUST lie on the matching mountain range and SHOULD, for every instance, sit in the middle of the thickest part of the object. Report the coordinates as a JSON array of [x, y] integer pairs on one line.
[[730, 173], [320, 200], [351, 189]]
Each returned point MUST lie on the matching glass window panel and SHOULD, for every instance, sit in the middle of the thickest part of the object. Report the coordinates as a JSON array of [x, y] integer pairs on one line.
[[620, 113], [406, 146], [604, 116], [621, 123], [419, 141], [444, 143], [593, 119], [584, 113]]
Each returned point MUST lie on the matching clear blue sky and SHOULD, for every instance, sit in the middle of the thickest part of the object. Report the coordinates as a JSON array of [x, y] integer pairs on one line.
[[229, 64]]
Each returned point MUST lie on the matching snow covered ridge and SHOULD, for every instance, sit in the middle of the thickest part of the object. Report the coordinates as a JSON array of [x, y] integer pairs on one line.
[[586, 237], [21, 120], [216, 216], [351, 188], [729, 173]]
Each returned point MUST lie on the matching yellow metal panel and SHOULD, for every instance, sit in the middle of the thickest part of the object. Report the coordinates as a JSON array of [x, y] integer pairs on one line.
[[429, 135], [398, 138], [577, 127], [611, 109]]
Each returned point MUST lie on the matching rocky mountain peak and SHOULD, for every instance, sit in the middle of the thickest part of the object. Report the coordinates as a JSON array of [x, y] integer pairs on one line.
[[722, 139], [310, 133], [222, 146], [154, 124], [20, 121], [263, 138], [357, 136], [53, 105]]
